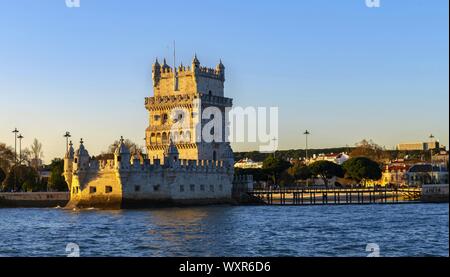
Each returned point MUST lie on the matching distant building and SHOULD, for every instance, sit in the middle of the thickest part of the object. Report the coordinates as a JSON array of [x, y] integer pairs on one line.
[[394, 174], [339, 158], [247, 163], [425, 173], [440, 158], [418, 146]]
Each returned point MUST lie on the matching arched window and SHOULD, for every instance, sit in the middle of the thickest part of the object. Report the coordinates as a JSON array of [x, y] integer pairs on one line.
[[164, 138], [181, 137], [158, 138], [152, 138], [164, 118], [187, 136]]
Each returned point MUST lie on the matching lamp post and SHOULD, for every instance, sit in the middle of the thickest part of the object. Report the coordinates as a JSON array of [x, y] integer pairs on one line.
[[67, 136], [306, 133], [20, 137], [274, 147], [15, 131]]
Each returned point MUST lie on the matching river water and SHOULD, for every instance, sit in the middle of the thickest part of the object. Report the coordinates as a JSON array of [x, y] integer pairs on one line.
[[346, 230]]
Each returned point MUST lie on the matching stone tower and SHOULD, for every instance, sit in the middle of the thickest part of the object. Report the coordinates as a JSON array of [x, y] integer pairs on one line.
[[181, 95]]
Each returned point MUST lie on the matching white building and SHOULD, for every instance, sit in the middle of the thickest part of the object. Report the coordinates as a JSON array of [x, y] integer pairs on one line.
[[339, 158], [248, 163]]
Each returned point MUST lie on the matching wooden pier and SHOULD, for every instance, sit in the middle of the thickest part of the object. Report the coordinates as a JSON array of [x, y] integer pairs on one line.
[[337, 196]]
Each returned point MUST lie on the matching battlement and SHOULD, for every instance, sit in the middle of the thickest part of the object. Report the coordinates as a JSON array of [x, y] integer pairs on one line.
[[187, 100], [146, 166], [194, 79], [182, 71]]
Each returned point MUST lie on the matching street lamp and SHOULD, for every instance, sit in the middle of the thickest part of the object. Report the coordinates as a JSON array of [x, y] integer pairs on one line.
[[306, 133], [20, 137], [274, 147], [15, 131], [15, 157], [67, 136]]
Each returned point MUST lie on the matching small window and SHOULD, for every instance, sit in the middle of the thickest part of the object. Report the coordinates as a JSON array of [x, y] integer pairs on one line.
[[76, 160], [92, 189], [210, 92], [108, 189], [202, 187], [164, 118], [192, 187], [211, 188], [220, 187], [137, 188], [156, 187], [181, 188]]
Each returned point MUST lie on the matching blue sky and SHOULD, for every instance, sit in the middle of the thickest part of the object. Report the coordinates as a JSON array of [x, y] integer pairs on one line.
[[342, 70]]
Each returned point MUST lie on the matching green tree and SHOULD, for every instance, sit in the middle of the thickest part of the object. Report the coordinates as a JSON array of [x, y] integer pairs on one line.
[[274, 167], [6, 157], [2, 175], [362, 169], [23, 178], [371, 150], [300, 171], [326, 170], [56, 181]]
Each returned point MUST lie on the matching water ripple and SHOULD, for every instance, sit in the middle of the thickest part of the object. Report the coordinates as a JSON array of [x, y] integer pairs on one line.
[[399, 230]]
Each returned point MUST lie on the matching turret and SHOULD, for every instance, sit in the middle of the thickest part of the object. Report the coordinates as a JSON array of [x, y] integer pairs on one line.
[[171, 155], [195, 63], [81, 158], [122, 156], [156, 73], [220, 69], [228, 156], [165, 66]]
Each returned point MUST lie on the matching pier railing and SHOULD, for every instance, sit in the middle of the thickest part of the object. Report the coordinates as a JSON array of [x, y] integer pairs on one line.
[[323, 196]]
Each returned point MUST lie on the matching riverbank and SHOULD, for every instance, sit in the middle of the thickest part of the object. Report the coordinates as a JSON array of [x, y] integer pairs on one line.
[[33, 199]]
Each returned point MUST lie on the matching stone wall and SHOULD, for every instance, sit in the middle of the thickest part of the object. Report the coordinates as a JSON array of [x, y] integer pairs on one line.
[[34, 199]]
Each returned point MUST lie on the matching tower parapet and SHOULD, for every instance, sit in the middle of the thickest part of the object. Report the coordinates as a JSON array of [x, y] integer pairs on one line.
[[191, 79]]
